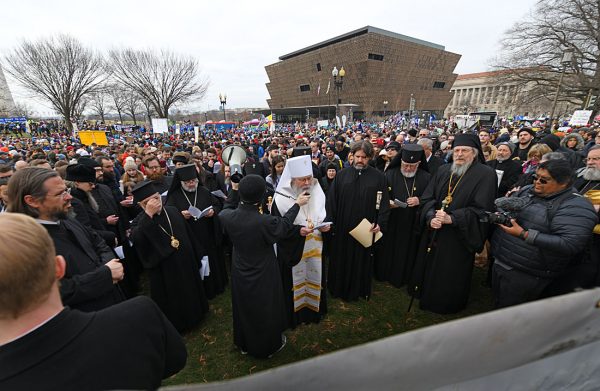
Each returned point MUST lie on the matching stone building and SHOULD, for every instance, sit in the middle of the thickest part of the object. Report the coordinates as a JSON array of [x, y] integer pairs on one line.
[[490, 92], [383, 71]]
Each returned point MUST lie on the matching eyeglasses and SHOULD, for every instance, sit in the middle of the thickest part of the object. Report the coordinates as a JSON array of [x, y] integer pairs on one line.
[[64, 194], [543, 181], [592, 159], [153, 168]]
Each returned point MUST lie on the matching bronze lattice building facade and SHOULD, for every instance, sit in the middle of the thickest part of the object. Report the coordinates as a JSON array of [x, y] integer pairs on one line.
[[381, 66]]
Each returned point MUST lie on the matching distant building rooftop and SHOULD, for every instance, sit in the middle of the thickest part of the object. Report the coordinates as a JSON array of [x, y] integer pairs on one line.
[[359, 32]]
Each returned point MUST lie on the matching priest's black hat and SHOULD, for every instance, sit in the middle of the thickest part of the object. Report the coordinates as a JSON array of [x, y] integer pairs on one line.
[[86, 161], [412, 153], [80, 173], [252, 189], [469, 140], [186, 173], [300, 151], [180, 159], [143, 190]]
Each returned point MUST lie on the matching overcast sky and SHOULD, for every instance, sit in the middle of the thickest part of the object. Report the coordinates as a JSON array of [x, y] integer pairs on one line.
[[234, 40]]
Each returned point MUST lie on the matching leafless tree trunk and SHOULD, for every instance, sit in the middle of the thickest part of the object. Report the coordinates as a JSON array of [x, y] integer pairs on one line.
[[22, 109], [149, 110], [59, 70], [162, 79], [532, 50], [99, 103], [118, 99], [132, 105], [78, 110]]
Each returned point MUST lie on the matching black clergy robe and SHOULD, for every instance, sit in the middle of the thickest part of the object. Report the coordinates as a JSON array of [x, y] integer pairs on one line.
[[207, 233], [175, 283], [87, 284], [127, 346], [350, 198], [256, 292], [397, 253], [289, 253], [446, 271], [511, 169]]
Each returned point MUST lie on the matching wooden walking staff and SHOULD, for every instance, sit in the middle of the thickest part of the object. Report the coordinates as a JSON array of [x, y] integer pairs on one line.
[[445, 202], [377, 206]]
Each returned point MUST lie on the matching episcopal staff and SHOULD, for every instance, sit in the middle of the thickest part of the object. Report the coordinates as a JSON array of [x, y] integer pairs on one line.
[[300, 253], [256, 293], [463, 189], [350, 199], [166, 248]]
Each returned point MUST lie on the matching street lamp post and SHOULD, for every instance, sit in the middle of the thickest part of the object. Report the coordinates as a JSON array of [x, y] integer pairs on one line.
[[385, 103], [223, 100], [338, 82], [567, 58]]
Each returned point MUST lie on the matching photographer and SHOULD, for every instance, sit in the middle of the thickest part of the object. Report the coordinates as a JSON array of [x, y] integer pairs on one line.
[[550, 233]]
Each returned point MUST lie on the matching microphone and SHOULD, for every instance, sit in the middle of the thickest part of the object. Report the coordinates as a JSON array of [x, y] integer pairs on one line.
[[512, 204]]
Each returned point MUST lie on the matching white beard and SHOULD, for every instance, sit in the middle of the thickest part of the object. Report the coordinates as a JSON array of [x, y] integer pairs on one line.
[[591, 174], [408, 174], [189, 189], [459, 170]]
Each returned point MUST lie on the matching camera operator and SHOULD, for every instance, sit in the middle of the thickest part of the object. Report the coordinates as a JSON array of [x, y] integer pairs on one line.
[[550, 232]]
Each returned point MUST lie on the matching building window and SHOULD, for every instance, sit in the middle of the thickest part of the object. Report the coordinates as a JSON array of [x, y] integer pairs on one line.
[[305, 87], [439, 84], [373, 56], [318, 67]]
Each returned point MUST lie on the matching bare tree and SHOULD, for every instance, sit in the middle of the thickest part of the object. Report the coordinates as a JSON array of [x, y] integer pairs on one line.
[[133, 105], [22, 109], [59, 70], [99, 103], [118, 99], [149, 110], [79, 109], [532, 50], [162, 79]]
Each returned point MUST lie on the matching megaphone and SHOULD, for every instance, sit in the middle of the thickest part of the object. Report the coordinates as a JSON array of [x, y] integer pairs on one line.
[[234, 157]]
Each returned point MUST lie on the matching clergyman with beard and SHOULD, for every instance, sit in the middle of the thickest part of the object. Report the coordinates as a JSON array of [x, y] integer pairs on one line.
[[300, 254], [154, 173], [588, 185], [109, 177], [350, 199], [452, 204], [507, 169], [92, 269], [187, 193], [407, 177]]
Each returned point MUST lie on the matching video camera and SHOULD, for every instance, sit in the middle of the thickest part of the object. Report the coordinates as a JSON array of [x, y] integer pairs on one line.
[[507, 209]]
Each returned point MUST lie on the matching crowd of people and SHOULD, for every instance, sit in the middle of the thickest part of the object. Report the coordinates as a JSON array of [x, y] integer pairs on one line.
[[315, 212]]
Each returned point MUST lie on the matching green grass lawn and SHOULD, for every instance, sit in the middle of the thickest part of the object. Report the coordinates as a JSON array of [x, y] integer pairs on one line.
[[212, 355]]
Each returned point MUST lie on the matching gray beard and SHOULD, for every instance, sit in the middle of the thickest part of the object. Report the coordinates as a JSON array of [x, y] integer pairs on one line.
[[189, 189], [500, 160], [92, 201], [408, 174], [591, 174], [459, 170]]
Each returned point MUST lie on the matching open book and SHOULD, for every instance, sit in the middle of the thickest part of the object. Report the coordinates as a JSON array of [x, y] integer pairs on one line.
[[197, 213]]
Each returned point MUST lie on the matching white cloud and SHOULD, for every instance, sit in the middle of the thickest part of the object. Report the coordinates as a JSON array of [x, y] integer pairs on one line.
[[234, 40]]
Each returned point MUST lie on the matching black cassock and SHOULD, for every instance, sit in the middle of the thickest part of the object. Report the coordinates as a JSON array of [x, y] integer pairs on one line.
[[350, 198], [175, 283], [256, 293], [398, 250], [445, 273], [207, 232], [289, 253]]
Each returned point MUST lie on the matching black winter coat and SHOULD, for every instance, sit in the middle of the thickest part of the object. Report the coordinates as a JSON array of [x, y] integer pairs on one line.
[[553, 242]]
